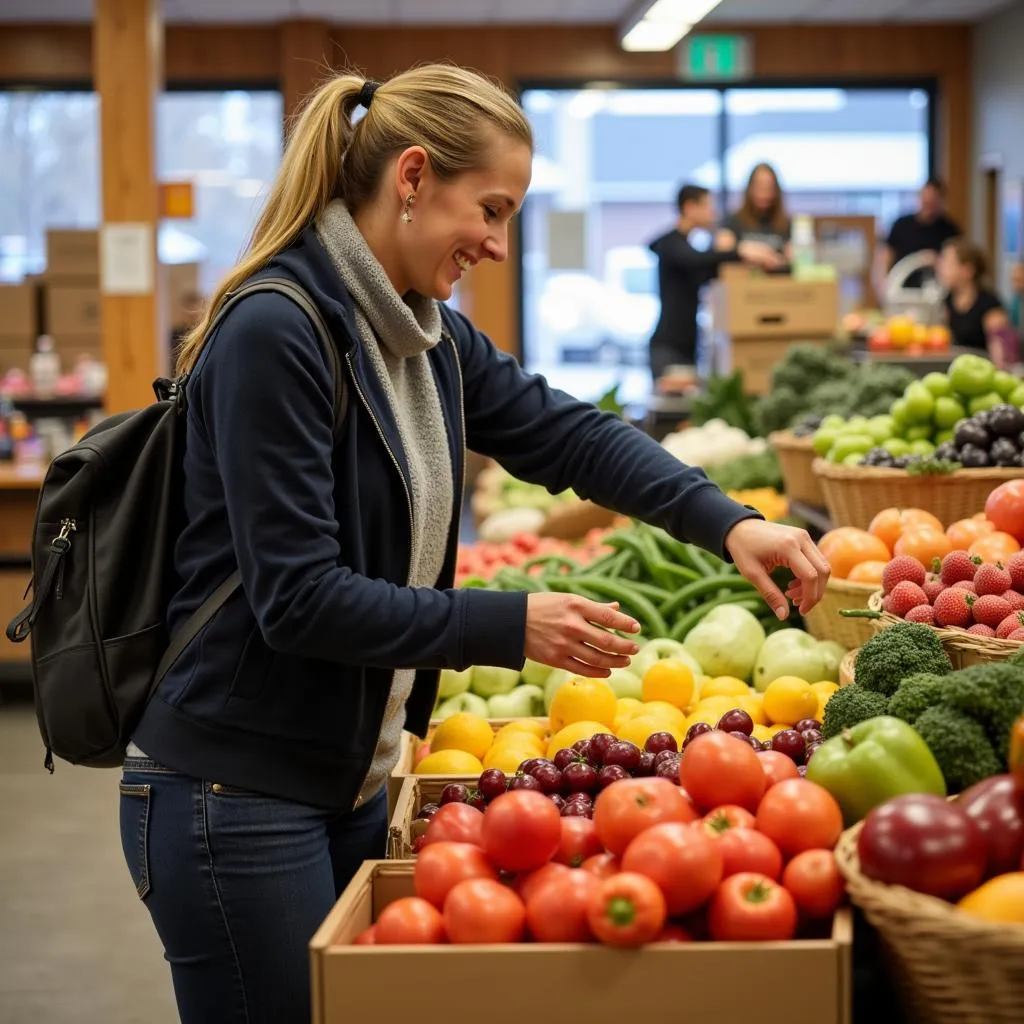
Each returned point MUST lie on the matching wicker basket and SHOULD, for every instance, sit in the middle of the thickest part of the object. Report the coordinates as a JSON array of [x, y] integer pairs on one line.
[[963, 648], [954, 968], [854, 495], [796, 457], [824, 622], [846, 667]]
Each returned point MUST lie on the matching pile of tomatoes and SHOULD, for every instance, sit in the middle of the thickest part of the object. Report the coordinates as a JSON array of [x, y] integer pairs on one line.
[[729, 855]]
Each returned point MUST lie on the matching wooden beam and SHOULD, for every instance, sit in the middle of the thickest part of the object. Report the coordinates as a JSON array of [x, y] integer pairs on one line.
[[128, 72], [305, 61]]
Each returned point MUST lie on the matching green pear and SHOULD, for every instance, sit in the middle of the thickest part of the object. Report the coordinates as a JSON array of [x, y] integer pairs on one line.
[[463, 702], [522, 702], [625, 683], [489, 680], [536, 674], [658, 650], [453, 683]]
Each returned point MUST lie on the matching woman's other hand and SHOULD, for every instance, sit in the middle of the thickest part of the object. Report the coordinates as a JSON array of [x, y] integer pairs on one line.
[[758, 547], [571, 632]]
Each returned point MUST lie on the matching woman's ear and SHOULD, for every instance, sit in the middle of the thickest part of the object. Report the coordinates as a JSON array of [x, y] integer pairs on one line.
[[411, 166]]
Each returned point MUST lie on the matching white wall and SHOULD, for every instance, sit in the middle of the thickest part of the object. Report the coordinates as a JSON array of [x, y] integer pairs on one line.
[[998, 97]]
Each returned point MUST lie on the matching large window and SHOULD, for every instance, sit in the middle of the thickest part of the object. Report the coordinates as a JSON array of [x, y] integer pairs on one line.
[[608, 165]]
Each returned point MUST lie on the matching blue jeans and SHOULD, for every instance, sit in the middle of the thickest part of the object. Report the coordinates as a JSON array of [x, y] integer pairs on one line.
[[236, 884]]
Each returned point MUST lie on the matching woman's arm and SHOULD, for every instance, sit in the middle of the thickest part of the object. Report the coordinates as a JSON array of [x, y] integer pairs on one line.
[[725, 239], [998, 336]]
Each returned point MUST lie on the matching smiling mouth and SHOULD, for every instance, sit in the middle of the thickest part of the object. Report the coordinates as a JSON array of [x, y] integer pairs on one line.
[[463, 261]]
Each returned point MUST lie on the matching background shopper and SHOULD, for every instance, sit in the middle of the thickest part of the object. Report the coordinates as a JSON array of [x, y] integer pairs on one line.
[[761, 218]]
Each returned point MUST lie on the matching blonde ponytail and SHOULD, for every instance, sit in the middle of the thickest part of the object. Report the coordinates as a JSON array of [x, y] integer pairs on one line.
[[451, 112]]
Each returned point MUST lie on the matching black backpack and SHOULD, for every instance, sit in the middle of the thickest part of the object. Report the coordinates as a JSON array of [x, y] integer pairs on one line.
[[108, 517]]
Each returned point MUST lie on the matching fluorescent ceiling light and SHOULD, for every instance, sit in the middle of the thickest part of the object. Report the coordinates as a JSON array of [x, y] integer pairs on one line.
[[660, 25]]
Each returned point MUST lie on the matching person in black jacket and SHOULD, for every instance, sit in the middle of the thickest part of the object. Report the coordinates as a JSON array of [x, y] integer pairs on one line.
[[684, 270], [255, 783]]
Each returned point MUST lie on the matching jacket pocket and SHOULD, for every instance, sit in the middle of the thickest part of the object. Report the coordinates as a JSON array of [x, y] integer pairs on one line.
[[135, 834], [254, 667]]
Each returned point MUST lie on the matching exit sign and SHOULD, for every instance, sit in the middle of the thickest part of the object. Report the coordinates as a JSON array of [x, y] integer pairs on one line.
[[716, 58]]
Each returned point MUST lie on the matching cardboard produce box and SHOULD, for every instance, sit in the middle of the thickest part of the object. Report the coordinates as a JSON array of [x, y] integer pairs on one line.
[[724, 983], [18, 312], [72, 253], [72, 309], [416, 791], [750, 306]]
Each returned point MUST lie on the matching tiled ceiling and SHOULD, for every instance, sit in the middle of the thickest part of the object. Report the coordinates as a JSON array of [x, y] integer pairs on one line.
[[465, 12]]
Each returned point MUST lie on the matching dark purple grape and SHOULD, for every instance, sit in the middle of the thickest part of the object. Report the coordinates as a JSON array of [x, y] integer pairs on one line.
[[811, 735], [579, 778], [669, 769], [530, 763], [599, 744], [801, 770], [565, 757], [664, 755], [736, 720], [752, 741], [524, 782], [492, 783], [611, 773], [624, 754], [428, 810], [578, 805], [477, 800], [645, 766], [549, 777], [454, 793], [807, 723], [790, 743], [558, 801], [695, 730], [811, 748], [582, 748], [661, 741]]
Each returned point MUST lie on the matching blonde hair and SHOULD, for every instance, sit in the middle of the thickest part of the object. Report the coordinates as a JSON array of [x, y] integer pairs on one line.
[[450, 111]]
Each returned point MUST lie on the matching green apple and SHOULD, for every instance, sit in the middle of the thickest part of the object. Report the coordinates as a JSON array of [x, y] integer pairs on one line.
[[625, 683], [942, 436], [463, 702], [948, 412], [453, 683], [536, 674], [824, 438], [522, 702], [856, 425], [853, 459], [938, 384], [896, 446], [552, 686], [881, 428], [658, 650], [971, 375], [920, 402], [1017, 396], [489, 680], [833, 419], [790, 652], [981, 403], [1005, 383], [918, 432], [726, 641], [922, 448], [833, 653], [898, 411], [850, 444]]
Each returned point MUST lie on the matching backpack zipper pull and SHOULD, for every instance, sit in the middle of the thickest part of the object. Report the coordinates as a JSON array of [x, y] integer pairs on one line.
[[48, 760], [60, 546]]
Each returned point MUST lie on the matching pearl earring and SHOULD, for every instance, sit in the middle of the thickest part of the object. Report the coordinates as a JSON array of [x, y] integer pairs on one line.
[[407, 212]]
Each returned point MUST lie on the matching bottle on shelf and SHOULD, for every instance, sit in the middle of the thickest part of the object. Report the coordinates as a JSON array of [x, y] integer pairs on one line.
[[44, 368], [802, 244]]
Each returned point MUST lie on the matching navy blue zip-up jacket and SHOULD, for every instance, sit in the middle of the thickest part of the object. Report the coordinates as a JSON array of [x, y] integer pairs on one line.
[[284, 691]]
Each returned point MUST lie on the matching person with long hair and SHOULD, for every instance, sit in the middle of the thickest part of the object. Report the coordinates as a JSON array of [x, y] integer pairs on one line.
[[255, 783], [762, 216]]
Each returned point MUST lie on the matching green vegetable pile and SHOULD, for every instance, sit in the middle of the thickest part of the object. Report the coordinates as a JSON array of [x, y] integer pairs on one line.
[[748, 472], [723, 398], [964, 716], [666, 585]]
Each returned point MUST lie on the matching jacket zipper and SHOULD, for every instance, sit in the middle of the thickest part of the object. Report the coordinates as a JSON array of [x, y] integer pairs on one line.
[[462, 419]]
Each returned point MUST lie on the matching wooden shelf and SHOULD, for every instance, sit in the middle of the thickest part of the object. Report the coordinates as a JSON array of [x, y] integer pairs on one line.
[[16, 479]]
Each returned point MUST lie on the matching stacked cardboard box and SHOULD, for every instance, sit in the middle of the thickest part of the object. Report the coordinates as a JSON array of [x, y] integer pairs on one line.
[[18, 324], [71, 294]]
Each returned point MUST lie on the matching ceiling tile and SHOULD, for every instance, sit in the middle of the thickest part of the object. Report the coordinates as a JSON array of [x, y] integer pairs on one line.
[[754, 12]]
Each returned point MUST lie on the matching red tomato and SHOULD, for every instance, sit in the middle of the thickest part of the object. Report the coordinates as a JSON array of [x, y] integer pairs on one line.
[[746, 849], [685, 864], [627, 909], [695, 812], [799, 815], [522, 830], [673, 932], [480, 911], [626, 808], [777, 766], [1004, 507], [751, 908], [578, 842], [726, 817], [409, 921], [557, 909], [717, 770], [455, 823], [367, 937], [441, 866], [526, 884], [604, 865], [813, 880]]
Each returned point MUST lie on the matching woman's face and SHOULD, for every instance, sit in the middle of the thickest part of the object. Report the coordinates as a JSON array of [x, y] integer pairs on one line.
[[949, 270], [763, 189], [457, 223]]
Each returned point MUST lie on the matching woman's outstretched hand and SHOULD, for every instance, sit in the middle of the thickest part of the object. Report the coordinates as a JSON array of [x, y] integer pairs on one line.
[[571, 632], [758, 547]]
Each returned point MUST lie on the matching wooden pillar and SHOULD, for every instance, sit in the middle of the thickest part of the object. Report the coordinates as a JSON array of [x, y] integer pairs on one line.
[[128, 72], [305, 61]]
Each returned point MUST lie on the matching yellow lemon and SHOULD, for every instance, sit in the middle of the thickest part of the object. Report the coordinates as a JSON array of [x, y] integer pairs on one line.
[[464, 731], [724, 686], [754, 706], [709, 716], [762, 733], [449, 762], [509, 755], [638, 730], [535, 727], [582, 700], [823, 690], [666, 712], [571, 733], [628, 707], [777, 727], [670, 681], [788, 699]]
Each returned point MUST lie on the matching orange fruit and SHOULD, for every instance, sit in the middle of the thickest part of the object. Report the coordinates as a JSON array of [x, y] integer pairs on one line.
[[583, 700], [911, 517], [867, 572], [638, 730], [890, 523], [571, 733], [994, 547], [1000, 899], [788, 699], [463, 731], [846, 546], [669, 681], [924, 544], [449, 762], [964, 532]]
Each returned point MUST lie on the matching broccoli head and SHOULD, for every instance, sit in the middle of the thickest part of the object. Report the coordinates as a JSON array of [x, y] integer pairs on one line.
[[778, 409], [849, 706], [1017, 658], [993, 695], [960, 746], [916, 694], [892, 655]]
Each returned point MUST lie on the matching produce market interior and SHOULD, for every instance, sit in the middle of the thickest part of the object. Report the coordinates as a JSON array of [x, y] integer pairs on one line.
[[724, 681]]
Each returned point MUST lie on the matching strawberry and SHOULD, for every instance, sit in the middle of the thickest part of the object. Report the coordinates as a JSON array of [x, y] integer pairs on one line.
[[1015, 599], [933, 586], [902, 568], [923, 613], [1009, 624], [992, 579], [953, 608], [1017, 634], [967, 585], [957, 566], [980, 629], [906, 595], [990, 610], [1015, 567]]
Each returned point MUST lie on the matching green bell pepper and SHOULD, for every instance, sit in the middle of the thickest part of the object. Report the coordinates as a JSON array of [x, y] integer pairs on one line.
[[874, 761]]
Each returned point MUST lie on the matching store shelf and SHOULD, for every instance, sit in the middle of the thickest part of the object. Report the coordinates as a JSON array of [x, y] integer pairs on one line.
[[16, 478], [66, 405]]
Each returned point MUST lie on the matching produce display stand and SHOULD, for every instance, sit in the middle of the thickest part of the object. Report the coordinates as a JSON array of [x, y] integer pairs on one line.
[[824, 622], [569, 982], [964, 649], [952, 968], [796, 459], [854, 495]]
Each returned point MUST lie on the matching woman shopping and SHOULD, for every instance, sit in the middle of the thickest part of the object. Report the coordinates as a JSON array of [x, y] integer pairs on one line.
[[255, 784], [762, 216]]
